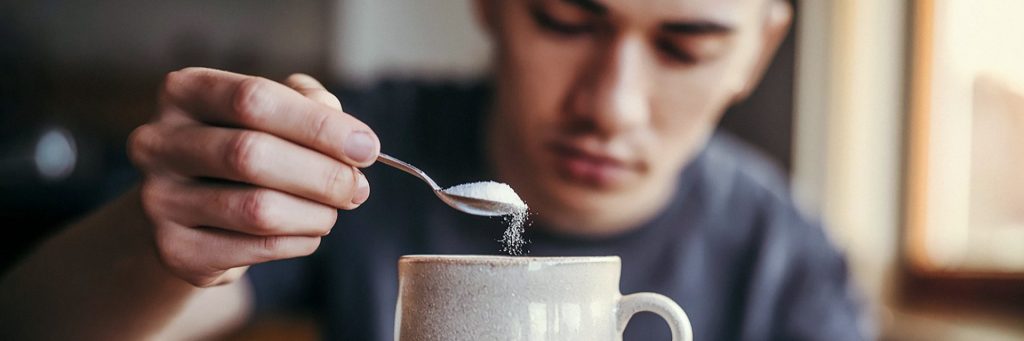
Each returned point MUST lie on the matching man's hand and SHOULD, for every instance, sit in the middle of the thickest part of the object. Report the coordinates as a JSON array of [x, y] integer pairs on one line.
[[241, 170]]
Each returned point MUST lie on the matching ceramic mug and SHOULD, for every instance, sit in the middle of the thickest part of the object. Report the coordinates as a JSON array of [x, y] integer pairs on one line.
[[521, 298]]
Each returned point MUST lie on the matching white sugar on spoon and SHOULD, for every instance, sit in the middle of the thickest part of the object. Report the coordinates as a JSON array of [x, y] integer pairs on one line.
[[488, 190], [495, 191]]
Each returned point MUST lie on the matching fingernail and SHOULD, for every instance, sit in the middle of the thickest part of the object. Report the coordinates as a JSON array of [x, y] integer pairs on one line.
[[362, 190], [360, 146]]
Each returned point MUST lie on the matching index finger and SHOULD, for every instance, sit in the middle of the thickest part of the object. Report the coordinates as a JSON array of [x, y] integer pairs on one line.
[[230, 99]]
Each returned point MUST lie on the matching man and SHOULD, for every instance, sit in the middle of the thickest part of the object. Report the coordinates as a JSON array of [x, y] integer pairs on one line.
[[601, 115]]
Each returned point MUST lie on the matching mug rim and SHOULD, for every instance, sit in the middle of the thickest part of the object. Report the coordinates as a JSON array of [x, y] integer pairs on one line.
[[505, 260]]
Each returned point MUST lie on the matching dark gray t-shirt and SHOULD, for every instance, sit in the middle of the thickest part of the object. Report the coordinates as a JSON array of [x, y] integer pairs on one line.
[[730, 248]]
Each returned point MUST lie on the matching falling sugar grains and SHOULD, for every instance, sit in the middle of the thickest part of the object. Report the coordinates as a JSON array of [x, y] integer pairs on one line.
[[512, 240]]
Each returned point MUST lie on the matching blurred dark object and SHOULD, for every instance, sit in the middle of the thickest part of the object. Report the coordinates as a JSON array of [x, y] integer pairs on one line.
[[47, 156], [49, 175], [51, 170], [765, 119]]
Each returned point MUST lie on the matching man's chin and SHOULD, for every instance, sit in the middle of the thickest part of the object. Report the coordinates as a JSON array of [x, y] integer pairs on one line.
[[580, 209], [586, 226]]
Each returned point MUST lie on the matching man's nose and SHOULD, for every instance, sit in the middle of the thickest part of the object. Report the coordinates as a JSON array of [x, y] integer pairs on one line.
[[612, 94]]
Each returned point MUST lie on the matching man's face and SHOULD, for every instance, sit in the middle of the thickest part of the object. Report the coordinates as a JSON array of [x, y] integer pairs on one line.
[[600, 103]]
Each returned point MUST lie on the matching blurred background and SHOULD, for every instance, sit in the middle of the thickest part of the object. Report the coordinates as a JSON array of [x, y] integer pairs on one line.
[[900, 123]]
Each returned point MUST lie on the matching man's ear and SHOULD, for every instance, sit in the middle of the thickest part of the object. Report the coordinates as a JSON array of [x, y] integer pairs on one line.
[[776, 25], [485, 13]]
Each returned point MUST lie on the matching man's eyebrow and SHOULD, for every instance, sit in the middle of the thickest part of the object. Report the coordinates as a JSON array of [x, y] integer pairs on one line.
[[696, 28], [591, 6]]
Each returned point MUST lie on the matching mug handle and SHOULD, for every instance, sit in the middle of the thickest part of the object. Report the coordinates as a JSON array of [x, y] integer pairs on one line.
[[658, 304]]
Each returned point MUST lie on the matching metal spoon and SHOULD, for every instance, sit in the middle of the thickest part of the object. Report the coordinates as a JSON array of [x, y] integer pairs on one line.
[[475, 206]]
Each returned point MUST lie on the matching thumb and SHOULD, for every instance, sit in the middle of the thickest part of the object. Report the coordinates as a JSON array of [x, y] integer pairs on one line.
[[312, 89]]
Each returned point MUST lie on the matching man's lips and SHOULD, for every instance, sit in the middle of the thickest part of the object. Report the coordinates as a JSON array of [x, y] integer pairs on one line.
[[589, 167]]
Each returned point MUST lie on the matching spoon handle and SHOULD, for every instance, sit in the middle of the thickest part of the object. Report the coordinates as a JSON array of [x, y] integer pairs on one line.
[[405, 167]]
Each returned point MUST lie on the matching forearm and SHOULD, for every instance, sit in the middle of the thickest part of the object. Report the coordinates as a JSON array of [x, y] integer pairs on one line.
[[99, 279]]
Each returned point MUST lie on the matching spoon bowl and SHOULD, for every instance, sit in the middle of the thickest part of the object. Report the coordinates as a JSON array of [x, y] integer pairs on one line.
[[474, 206], [477, 206]]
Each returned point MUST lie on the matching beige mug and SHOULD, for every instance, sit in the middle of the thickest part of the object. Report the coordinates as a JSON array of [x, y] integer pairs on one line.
[[521, 298]]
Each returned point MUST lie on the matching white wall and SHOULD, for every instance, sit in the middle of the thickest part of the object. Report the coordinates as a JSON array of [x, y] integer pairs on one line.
[[354, 40], [373, 38], [150, 34]]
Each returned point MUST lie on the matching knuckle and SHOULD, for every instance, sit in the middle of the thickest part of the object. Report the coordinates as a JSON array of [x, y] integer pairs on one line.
[[243, 153], [169, 254], [255, 211], [322, 127], [338, 185], [151, 195], [142, 144], [281, 247], [174, 80], [176, 259], [176, 256], [270, 248], [147, 192], [250, 100]]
